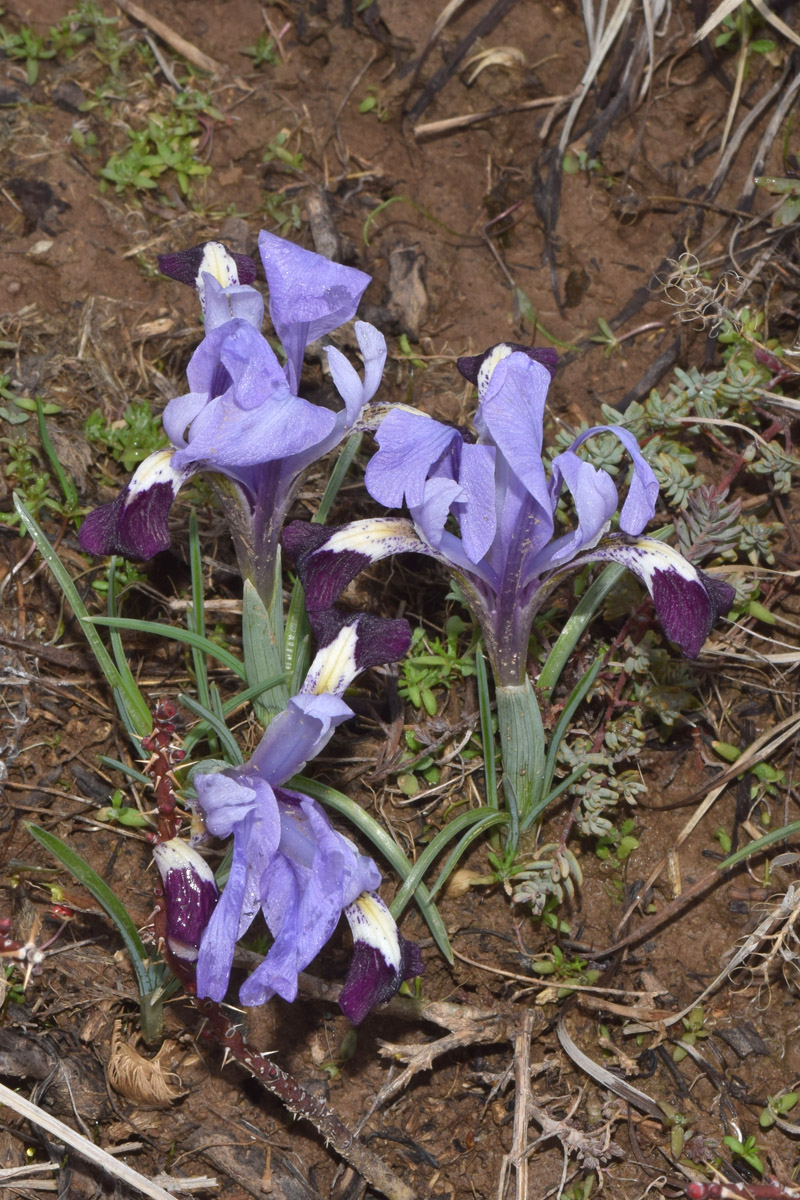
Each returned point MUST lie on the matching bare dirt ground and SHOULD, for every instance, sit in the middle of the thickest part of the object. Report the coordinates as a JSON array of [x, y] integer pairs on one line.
[[478, 245]]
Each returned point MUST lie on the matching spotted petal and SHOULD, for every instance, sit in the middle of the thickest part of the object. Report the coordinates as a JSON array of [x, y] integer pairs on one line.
[[190, 895], [329, 557], [688, 602], [350, 643]]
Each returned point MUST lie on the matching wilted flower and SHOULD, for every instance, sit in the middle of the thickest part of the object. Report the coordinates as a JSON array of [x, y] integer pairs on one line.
[[242, 419], [487, 509], [288, 860]]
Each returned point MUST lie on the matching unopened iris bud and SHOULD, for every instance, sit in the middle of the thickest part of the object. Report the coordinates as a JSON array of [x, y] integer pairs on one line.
[[190, 894]]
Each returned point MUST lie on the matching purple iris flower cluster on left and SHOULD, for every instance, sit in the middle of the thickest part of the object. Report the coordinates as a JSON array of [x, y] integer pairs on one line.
[[244, 424], [242, 421]]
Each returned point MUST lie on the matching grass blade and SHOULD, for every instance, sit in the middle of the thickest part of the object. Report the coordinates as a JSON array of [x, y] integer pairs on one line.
[[115, 909], [129, 699], [177, 635]]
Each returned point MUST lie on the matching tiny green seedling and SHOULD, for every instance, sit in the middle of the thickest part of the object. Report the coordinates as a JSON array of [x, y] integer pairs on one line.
[[434, 664], [777, 1107], [122, 814], [278, 151], [693, 1031], [263, 52], [748, 1151]]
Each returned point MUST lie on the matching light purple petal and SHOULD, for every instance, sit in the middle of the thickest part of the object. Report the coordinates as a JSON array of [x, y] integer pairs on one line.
[[640, 502], [296, 735], [320, 872], [596, 501], [179, 414], [346, 379], [190, 895], [136, 524], [308, 296], [382, 958], [328, 558], [410, 443], [688, 601], [475, 507], [512, 415]]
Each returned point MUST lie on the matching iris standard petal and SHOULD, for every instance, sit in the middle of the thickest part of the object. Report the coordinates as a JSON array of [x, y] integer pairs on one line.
[[382, 958], [409, 445], [136, 524], [328, 558], [179, 414], [640, 502], [596, 500], [512, 415], [688, 602], [308, 296], [349, 385], [475, 507]]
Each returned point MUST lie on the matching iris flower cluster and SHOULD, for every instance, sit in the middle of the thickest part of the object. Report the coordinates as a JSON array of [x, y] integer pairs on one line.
[[483, 504]]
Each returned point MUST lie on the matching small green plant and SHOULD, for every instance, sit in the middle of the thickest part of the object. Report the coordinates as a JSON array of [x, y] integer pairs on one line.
[[119, 813], [278, 151], [35, 474], [165, 144], [131, 439], [282, 213], [416, 763], [694, 1030], [263, 53], [434, 664], [777, 1107], [618, 844], [556, 963], [32, 48], [748, 1151]]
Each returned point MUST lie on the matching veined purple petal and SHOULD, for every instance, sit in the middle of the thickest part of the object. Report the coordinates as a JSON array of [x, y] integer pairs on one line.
[[640, 502], [382, 958], [328, 558], [350, 643], [316, 873], [688, 601], [136, 524], [356, 394], [308, 296], [410, 443], [511, 415], [478, 368], [475, 507], [190, 895], [297, 734]]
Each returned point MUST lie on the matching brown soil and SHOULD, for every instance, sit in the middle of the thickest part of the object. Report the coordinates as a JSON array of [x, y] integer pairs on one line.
[[88, 324]]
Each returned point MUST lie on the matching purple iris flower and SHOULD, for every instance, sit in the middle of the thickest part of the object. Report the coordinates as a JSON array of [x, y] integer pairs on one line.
[[242, 419], [487, 509], [288, 860]]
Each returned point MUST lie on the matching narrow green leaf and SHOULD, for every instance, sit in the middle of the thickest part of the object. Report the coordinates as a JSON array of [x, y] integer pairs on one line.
[[113, 906], [487, 816], [213, 722], [129, 699], [762, 843], [577, 696], [262, 639], [478, 830], [177, 635], [487, 733], [65, 481]]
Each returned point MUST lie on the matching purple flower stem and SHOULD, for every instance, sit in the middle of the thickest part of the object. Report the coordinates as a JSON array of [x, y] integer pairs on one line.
[[165, 754]]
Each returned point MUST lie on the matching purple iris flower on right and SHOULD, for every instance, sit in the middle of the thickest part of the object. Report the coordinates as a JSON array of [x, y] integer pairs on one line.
[[486, 508]]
